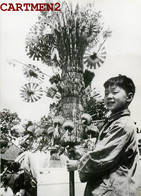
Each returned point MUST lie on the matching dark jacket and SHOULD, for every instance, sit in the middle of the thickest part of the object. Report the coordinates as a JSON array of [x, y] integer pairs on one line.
[[112, 168]]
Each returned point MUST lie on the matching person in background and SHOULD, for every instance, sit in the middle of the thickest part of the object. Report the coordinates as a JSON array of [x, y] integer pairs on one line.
[[3, 148], [112, 167]]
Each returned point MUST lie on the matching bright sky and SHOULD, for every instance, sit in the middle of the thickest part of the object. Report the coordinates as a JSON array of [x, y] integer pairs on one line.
[[123, 54]]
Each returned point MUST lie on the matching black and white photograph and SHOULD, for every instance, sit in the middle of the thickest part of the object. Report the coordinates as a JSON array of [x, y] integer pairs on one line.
[[70, 98]]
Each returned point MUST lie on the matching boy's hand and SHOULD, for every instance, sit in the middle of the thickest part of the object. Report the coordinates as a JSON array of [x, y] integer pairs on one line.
[[72, 165]]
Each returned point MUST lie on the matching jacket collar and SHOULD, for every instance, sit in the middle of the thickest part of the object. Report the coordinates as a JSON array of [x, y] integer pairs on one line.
[[117, 115]]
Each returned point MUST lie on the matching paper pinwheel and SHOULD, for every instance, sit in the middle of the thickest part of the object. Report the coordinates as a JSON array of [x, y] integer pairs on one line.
[[33, 73], [31, 92], [94, 58]]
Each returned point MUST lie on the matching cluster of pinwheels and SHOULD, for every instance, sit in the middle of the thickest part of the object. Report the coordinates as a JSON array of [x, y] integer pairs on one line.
[[72, 40], [70, 37], [32, 91]]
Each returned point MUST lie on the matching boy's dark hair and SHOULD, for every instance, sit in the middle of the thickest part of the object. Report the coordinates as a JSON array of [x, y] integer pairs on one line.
[[122, 81]]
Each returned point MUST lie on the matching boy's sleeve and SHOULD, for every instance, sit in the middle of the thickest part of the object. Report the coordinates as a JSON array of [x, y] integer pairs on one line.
[[106, 153]]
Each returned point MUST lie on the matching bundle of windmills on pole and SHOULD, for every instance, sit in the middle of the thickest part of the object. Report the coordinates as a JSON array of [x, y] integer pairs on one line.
[[71, 41]]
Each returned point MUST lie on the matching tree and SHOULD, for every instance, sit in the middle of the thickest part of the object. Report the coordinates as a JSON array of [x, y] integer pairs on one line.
[[8, 121]]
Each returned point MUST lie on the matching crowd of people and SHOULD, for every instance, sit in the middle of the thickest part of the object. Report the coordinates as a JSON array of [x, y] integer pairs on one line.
[[39, 148]]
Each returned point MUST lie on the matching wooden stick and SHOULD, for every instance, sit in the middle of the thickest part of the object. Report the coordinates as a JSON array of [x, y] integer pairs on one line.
[[71, 184]]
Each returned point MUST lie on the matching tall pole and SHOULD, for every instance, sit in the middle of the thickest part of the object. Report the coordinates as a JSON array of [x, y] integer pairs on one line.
[[71, 184]]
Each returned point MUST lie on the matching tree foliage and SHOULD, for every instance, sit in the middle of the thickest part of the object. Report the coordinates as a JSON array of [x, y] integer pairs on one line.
[[95, 108], [8, 120]]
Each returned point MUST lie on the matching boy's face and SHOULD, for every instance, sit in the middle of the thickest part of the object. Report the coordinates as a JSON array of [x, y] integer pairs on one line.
[[116, 98]]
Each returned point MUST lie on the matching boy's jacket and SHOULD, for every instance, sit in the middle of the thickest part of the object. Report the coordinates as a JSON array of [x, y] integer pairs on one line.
[[112, 168]]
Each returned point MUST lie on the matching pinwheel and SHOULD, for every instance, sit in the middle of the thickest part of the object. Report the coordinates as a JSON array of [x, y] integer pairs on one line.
[[33, 73], [31, 92], [94, 57]]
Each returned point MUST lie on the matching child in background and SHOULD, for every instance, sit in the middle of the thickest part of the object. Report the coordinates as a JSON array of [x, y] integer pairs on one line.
[[112, 168]]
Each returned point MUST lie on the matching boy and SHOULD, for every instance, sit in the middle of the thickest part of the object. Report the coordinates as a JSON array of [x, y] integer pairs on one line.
[[112, 168]]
